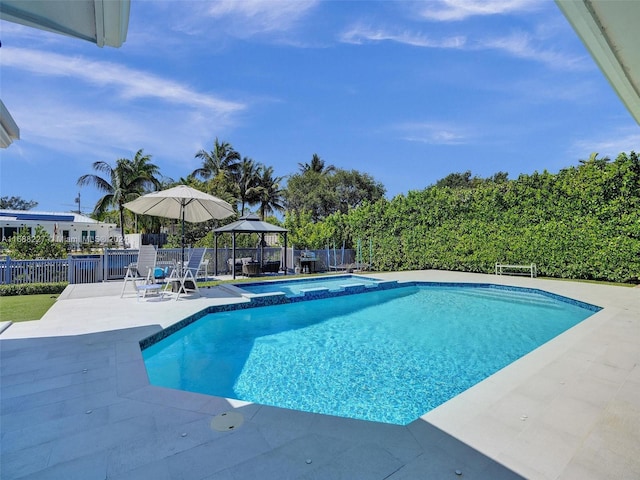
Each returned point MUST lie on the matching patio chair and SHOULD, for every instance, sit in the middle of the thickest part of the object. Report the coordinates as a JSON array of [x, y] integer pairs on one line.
[[143, 269], [272, 266], [250, 269], [203, 270], [240, 261], [188, 273]]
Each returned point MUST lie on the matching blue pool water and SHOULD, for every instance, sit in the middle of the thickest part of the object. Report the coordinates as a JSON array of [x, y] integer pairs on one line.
[[298, 287], [385, 355]]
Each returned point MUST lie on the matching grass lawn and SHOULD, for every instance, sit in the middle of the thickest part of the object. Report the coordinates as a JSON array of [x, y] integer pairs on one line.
[[22, 308]]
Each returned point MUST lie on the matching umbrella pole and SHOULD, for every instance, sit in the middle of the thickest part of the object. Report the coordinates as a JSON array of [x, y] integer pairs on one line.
[[182, 264]]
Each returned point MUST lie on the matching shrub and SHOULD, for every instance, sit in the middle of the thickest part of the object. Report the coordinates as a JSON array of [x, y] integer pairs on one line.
[[31, 288], [581, 223]]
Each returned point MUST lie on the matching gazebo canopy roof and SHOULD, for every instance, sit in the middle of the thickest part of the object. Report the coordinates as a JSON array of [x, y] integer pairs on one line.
[[250, 223]]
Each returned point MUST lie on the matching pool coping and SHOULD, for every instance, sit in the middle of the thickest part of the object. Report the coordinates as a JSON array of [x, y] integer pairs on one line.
[[501, 422]]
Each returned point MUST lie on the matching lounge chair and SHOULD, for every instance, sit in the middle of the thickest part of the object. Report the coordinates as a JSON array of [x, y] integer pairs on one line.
[[142, 270], [186, 279]]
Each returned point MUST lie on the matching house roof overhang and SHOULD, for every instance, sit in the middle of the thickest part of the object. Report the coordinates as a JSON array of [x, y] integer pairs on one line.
[[103, 22], [609, 30], [9, 131]]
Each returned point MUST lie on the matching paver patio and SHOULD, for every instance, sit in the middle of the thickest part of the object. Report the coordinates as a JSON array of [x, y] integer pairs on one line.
[[75, 402]]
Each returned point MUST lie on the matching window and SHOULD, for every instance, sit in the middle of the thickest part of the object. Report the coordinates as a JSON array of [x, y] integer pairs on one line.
[[8, 232]]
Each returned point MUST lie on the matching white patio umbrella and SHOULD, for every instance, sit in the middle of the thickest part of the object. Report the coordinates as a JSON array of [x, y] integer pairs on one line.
[[182, 202]]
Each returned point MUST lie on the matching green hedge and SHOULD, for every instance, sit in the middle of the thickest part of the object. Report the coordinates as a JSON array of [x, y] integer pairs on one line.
[[31, 288], [581, 223]]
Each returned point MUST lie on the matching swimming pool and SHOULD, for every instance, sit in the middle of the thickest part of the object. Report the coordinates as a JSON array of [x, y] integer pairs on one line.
[[385, 355], [313, 285]]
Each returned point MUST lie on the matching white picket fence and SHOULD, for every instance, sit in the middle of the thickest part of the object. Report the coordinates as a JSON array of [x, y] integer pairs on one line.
[[112, 264]]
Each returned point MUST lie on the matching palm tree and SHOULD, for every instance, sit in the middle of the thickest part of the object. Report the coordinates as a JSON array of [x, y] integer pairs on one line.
[[222, 161], [151, 223], [270, 194], [126, 181], [247, 183], [317, 165], [593, 159]]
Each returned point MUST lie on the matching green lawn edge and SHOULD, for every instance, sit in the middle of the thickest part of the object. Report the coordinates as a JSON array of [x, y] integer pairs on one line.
[[24, 308]]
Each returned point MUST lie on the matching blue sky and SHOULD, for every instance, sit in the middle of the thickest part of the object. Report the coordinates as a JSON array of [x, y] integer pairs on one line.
[[405, 91]]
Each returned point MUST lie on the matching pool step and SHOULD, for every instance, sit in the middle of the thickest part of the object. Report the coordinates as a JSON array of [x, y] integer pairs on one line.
[[233, 290], [510, 296]]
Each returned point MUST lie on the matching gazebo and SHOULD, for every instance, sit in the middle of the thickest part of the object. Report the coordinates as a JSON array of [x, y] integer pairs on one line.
[[250, 223]]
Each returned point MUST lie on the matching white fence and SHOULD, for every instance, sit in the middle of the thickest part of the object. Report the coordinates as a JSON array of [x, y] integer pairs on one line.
[[112, 265]]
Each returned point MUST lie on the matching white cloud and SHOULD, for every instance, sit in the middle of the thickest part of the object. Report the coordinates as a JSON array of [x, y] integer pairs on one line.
[[522, 45], [433, 133], [608, 144], [359, 34], [454, 10], [83, 129], [249, 17], [518, 45], [78, 129], [129, 83]]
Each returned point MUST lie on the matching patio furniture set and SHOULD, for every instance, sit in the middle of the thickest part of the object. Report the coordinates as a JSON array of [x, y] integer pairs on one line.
[[248, 267], [148, 276]]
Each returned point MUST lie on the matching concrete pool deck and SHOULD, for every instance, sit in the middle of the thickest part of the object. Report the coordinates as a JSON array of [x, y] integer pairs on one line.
[[75, 402]]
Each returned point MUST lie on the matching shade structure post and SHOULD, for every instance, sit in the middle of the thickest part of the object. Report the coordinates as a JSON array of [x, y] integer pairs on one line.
[[233, 248], [285, 253], [215, 254], [250, 224], [261, 250]]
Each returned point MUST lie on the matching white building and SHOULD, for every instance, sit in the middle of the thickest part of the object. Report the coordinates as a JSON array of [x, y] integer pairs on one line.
[[62, 226]]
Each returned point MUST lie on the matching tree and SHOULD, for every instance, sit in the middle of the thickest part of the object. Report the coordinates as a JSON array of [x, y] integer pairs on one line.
[[457, 180], [126, 182], [353, 188], [593, 159], [223, 161], [499, 177], [23, 245], [269, 192], [309, 192], [247, 183], [148, 223], [17, 203], [317, 165], [304, 233], [465, 180], [322, 194]]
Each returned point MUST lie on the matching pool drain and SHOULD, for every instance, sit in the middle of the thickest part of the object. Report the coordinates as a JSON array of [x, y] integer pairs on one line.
[[227, 421]]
